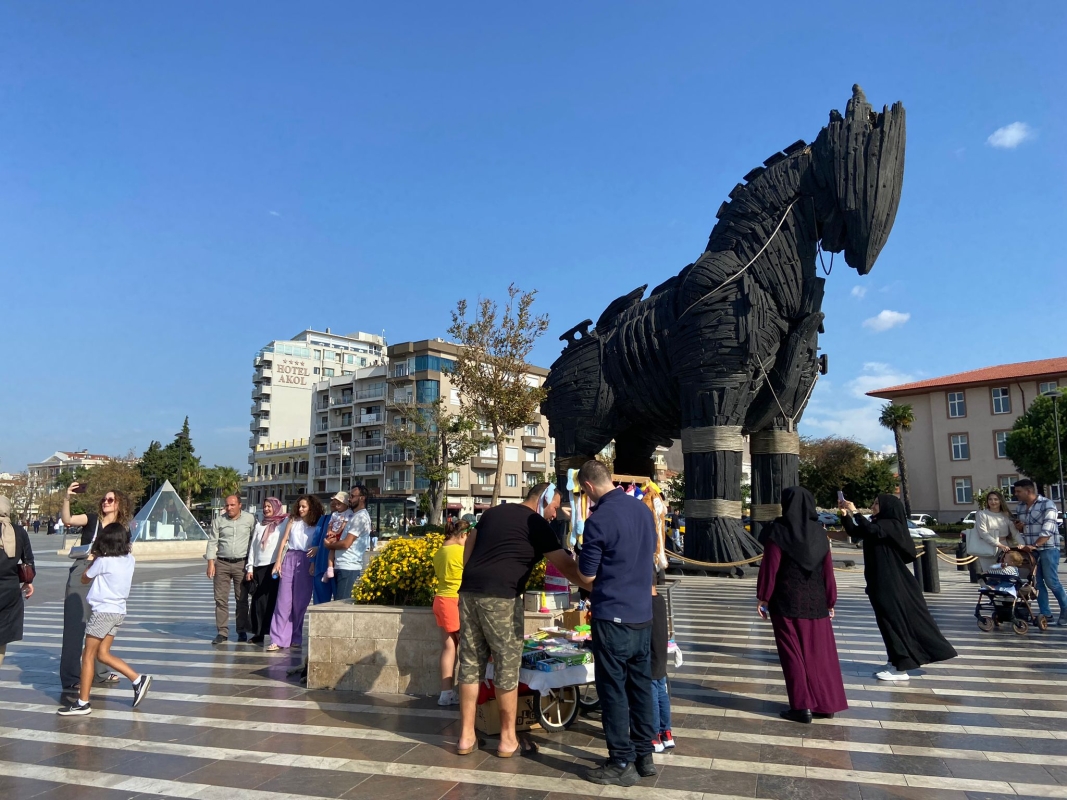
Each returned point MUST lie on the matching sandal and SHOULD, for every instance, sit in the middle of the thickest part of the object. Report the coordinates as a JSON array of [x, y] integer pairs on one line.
[[466, 751], [527, 747], [110, 678], [273, 648]]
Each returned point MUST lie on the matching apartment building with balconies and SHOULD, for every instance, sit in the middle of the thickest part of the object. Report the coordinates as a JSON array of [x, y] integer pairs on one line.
[[352, 417], [957, 444], [284, 373]]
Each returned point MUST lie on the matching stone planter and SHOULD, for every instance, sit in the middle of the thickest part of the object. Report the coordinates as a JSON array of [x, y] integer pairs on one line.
[[386, 649]]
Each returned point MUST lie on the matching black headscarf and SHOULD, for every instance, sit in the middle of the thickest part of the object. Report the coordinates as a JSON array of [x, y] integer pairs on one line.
[[798, 532], [892, 523]]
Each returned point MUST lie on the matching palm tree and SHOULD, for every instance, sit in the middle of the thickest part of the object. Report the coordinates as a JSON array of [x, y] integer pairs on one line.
[[192, 481], [227, 480], [899, 419]]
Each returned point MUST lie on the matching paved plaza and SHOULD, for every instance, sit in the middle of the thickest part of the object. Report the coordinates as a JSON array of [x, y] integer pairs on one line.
[[227, 722]]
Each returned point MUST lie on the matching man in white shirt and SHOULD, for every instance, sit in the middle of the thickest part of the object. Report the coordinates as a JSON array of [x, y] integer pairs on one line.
[[350, 551]]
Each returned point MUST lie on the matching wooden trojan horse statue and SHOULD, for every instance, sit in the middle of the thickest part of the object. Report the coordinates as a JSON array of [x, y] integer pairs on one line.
[[729, 346]]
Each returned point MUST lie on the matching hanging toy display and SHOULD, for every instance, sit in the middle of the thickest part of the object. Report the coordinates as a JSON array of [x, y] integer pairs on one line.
[[652, 497]]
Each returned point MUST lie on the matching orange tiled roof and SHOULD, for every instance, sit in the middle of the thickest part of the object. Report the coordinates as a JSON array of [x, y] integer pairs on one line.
[[1025, 370]]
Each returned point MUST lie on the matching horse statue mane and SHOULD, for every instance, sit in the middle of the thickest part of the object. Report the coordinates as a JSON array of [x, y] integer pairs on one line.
[[727, 349]]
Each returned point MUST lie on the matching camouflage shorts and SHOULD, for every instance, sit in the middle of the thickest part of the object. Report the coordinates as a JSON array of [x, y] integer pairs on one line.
[[490, 625]]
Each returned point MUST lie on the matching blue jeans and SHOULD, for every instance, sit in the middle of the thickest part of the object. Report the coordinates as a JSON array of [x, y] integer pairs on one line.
[[623, 669], [344, 582], [1048, 564], [661, 706]]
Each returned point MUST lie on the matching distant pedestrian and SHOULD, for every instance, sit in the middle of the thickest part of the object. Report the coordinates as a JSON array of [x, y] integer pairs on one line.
[[910, 635], [15, 551], [262, 553], [350, 549], [109, 577], [448, 569], [618, 554], [797, 591], [1036, 519], [293, 568], [332, 525], [227, 549], [37, 525], [114, 507]]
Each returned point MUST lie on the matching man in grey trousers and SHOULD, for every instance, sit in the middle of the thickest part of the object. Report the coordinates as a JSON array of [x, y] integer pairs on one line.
[[227, 551]]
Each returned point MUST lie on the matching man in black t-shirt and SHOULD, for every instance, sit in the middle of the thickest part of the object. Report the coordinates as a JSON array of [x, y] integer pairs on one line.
[[510, 540]]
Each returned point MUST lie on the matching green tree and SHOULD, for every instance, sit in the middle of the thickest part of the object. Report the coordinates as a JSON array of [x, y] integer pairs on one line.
[[899, 419], [155, 467], [675, 488], [193, 479], [835, 463], [1031, 444], [121, 474], [438, 442], [226, 480], [492, 370]]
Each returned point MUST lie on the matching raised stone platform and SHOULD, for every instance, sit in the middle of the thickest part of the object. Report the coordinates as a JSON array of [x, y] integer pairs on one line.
[[386, 649]]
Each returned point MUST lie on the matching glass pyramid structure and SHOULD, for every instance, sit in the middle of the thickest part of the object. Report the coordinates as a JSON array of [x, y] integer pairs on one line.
[[165, 518]]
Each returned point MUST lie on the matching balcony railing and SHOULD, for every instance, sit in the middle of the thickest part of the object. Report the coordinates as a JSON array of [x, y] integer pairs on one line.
[[364, 443], [370, 419], [366, 469], [403, 398], [535, 442], [370, 394], [395, 456], [397, 486]]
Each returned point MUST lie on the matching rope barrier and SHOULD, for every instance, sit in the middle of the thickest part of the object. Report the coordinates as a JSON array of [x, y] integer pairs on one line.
[[959, 562], [716, 565]]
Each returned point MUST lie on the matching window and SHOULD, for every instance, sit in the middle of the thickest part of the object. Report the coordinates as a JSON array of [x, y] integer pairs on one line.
[[533, 430], [961, 448], [1054, 492], [552, 460], [964, 495], [318, 355], [957, 404], [1047, 386], [1002, 400], [511, 454], [532, 454], [328, 372], [511, 480], [316, 370], [433, 362], [339, 357], [533, 380], [453, 479], [488, 452], [427, 391], [453, 396], [346, 419], [1006, 484], [1001, 440], [484, 477]]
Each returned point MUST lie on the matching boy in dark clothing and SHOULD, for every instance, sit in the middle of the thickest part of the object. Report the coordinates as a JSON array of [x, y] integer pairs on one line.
[[661, 701]]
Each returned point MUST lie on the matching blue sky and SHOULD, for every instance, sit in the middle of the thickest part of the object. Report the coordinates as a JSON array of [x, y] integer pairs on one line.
[[182, 183]]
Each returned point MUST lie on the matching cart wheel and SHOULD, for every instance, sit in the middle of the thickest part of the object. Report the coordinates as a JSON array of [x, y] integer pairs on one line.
[[1042, 622], [588, 699], [985, 623], [1020, 626], [558, 709]]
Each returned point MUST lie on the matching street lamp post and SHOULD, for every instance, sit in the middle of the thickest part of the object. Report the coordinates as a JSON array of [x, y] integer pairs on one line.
[[1055, 396]]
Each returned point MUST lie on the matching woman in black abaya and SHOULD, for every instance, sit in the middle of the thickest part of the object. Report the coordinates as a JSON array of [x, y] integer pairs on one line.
[[910, 634]]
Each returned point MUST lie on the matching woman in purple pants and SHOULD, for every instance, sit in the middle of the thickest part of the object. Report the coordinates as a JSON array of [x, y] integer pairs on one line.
[[295, 582]]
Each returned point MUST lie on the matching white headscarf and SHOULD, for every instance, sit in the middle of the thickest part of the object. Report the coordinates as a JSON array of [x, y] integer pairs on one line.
[[7, 530]]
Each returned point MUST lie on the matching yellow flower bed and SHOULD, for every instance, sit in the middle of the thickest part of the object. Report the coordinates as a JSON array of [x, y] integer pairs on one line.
[[401, 574]]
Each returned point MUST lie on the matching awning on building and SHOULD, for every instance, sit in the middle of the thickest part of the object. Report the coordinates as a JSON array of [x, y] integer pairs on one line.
[[454, 507], [482, 506]]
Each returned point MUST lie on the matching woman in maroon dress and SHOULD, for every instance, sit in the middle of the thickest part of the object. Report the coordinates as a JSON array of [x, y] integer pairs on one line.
[[796, 588]]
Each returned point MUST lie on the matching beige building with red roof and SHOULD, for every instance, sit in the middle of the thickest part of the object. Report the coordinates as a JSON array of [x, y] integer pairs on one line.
[[957, 444], [44, 473]]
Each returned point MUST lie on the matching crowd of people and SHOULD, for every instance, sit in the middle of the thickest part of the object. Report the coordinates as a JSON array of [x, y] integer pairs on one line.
[[275, 567]]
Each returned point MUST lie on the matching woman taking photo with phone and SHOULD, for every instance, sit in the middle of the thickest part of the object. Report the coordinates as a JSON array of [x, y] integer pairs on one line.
[[16, 577], [293, 568], [909, 632], [114, 506]]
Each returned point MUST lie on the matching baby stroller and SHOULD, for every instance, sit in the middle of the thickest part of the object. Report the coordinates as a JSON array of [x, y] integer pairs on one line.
[[1006, 592]]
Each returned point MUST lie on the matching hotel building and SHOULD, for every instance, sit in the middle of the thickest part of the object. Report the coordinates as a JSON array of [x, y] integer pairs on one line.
[[284, 373], [958, 442]]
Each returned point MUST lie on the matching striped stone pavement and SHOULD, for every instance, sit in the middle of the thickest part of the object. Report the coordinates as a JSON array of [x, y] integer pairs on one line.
[[226, 722]]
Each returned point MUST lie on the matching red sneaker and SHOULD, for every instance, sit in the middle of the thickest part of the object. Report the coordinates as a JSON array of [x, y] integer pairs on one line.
[[668, 740], [657, 745]]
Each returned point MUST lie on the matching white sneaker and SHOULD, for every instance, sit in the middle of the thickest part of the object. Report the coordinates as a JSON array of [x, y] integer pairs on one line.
[[455, 697], [892, 675], [446, 698]]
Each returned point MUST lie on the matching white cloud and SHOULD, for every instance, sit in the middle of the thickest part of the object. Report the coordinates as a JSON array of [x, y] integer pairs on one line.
[[274, 213], [1010, 136], [886, 320], [849, 412], [859, 291]]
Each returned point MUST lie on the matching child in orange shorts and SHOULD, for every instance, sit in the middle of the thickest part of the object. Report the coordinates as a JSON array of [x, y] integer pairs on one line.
[[448, 567]]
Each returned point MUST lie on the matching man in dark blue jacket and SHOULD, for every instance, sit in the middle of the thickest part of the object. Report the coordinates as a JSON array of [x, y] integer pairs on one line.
[[617, 555]]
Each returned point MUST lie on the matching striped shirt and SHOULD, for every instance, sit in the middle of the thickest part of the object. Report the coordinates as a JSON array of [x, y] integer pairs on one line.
[[1039, 520]]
